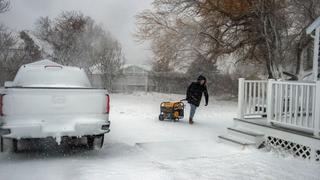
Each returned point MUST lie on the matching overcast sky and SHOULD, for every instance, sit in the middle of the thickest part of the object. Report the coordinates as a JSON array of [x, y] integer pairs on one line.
[[115, 15]]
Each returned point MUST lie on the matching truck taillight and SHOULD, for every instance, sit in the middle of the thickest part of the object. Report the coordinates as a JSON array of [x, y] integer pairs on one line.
[[1, 104], [108, 104]]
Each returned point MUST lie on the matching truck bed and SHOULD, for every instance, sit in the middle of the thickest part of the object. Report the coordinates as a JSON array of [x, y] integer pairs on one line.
[[35, 112]]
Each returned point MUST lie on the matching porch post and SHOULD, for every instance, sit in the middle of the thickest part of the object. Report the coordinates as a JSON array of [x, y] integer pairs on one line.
[[270, 100], [317, 111], [316, 53], [241, 98]]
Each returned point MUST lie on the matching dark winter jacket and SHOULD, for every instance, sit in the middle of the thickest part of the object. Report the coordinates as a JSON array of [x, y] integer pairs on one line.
[[194, 93]]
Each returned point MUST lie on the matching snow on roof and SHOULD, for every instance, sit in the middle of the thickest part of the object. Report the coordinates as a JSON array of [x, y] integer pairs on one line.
[[95, 69], [313, 26], [144, 67]]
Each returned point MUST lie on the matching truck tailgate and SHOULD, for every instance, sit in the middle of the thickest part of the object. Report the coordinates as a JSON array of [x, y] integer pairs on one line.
[[54, 101]]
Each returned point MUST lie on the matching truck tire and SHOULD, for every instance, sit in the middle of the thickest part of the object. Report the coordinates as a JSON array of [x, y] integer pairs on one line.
[[10, 145], [95, 141], [90, 141], [15, 145], [1, 144], [101, 141]]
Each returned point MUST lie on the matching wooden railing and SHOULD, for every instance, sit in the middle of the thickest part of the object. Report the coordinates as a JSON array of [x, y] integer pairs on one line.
[[289, 103]]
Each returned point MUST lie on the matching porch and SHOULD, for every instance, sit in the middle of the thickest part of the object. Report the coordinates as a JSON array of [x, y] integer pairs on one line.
[[278, 114]]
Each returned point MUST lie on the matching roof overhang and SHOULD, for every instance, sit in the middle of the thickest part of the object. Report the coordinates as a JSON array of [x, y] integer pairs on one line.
[[313, 26]]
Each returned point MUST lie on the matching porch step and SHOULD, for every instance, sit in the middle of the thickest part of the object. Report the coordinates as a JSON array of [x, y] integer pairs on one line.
[[246, 134], [236, 140], [262, 125]]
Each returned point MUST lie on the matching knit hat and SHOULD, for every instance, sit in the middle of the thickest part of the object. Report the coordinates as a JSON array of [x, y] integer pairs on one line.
[[201, 78]]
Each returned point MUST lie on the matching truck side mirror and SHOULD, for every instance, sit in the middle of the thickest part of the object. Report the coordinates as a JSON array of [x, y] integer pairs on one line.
[[8, 84]]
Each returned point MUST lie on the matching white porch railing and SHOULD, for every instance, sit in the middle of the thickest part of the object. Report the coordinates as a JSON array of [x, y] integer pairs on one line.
[[293, 104], [252, 98], [289, 103]]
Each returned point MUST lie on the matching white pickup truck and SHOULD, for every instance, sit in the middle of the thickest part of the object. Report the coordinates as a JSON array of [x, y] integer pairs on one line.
[[46, 99]]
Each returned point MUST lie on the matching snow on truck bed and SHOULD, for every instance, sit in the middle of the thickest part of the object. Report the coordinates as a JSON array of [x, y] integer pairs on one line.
[[140, 146]]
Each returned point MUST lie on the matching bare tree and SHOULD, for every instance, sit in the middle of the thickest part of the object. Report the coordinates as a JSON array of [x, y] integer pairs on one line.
[[108, 60], [77, 40], [173, 38], [7, 43], [14, 53], [254, 31], [31, 49], [4, 6], [64, 34]]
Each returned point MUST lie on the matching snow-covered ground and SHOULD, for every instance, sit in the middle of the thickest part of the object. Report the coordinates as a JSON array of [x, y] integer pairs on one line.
[[140, 146]]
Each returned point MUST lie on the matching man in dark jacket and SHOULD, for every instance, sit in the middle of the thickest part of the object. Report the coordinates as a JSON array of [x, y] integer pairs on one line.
[[194, 95]]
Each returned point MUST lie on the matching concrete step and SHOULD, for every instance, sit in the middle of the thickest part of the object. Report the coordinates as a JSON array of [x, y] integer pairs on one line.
[[245, 131], [246, 134], [262, 125], [236, 140]]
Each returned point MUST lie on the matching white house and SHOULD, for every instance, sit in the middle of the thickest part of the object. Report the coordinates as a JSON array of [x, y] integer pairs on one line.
[[131, 78], [281, 114]]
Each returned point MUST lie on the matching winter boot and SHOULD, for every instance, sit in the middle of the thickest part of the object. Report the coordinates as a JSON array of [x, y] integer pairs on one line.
[[190, 121]]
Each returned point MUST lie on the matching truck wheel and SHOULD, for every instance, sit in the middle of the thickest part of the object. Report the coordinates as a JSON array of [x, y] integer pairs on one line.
[[102, 141], [1, 144], [14, 145], [90, 142], [95, 141], [9, 145]]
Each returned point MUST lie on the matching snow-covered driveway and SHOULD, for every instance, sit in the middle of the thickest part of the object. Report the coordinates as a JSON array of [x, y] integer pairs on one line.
[[141, 147]]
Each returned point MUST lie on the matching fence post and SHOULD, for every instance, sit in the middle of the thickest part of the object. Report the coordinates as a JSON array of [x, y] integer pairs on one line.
[[241, 98], [317, 111], [270, 100], [146, 85]]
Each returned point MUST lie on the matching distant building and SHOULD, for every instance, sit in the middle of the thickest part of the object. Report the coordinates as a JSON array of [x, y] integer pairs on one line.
[[131, 78]]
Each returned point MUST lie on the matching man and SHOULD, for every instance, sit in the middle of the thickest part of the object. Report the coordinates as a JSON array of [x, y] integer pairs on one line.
[[194, 95]]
